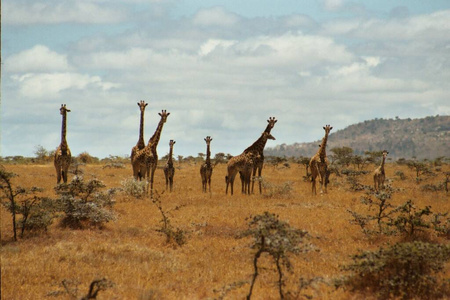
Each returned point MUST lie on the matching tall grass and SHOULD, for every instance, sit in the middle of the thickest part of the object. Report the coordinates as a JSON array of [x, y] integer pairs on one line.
[[133, 254]]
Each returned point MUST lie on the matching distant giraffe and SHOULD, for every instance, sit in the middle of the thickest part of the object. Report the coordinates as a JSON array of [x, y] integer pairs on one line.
[[242, 163], [139, 145], [379, 174], [148, 157], [206, 168], [62, 156], [169, 170], [259, 159], [319, 164]]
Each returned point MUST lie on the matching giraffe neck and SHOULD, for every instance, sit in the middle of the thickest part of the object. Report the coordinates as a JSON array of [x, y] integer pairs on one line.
[[169, 160], [258, 145], [268, 128], [154, 140], [141, 142], [208, 155], [382, 163], [63, 130], [322, 150]]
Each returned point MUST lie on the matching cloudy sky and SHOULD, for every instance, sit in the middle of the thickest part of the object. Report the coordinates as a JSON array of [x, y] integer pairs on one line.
[[221, 68]]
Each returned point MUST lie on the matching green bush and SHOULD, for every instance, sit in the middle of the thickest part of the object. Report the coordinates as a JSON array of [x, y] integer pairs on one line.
[[134, 188], [84, 204], [404, 270]]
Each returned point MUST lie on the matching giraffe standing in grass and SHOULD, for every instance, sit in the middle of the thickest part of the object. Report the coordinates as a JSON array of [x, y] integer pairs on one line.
[[148, 157], [259, 158], [139, 145], [240, 164], [243, 164], [379, 174], [63, 157], [169, 170], [206, 168], [319, 164]]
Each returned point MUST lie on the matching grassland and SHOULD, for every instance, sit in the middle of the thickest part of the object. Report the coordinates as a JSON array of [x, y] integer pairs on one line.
[[136, 257]]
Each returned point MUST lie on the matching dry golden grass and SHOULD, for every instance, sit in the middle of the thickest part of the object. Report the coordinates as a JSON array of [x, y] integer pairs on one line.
[[133, 255]]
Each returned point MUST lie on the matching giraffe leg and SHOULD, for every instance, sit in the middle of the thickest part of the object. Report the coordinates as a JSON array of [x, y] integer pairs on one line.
[[313, 185], [58, 174], [259, 179], [253, 178], [167, 179], [152, 177]]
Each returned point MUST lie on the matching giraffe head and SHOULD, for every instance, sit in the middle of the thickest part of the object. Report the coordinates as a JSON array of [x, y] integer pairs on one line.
[[208, 140], [385, 153], [142, 105], [327, 128], [164, 114], [171, 143], [63, 109], [271, 124]]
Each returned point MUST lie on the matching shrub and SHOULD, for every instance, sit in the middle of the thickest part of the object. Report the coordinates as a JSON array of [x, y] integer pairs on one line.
[[277, 191], [404, 270], [84, 204], [134, 188], [276, 238], [410, 218], [86, 158]]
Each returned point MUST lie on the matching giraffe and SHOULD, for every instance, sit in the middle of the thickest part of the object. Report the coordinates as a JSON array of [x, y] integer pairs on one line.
[[206, 168], [259, 159], [319, 164], [148, 156], [139, 145], [169, 170], [379, 174], [242, 163], [251, 154], [62, 156], [257, 148]]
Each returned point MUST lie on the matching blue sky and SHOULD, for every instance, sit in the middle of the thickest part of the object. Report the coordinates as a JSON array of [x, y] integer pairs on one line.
[[222, 68]]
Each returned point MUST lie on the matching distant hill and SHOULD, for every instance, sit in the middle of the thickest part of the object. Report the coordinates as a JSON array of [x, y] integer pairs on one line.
[[404, 138]]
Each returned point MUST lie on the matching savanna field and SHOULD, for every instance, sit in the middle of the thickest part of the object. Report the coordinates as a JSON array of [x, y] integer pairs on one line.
[[139, 262]]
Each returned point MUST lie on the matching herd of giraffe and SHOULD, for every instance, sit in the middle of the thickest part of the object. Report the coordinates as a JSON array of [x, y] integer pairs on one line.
[[144, 159]]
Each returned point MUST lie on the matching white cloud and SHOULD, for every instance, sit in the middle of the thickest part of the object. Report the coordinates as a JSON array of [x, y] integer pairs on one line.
[[37, 59], [50, 85], [332, 5], [215, 16], [421, 27], [22, 12]]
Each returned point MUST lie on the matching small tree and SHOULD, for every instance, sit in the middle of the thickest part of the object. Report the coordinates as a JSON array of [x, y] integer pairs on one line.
[[41, 153], [410, 220], [37, 212], [276, 238], [172, 235], [342, 155]]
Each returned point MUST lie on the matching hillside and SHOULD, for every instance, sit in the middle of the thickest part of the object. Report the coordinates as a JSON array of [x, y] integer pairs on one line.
[[404, 138]]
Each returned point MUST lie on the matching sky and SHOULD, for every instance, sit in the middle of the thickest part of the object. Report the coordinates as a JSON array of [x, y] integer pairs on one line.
[[221, 68]]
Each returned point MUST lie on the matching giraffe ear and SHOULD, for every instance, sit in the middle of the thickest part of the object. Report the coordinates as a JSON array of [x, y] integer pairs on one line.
[[168, 114]]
